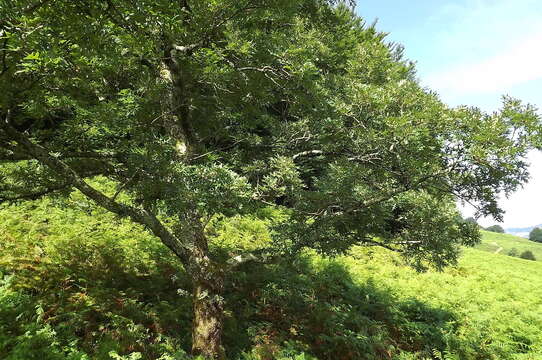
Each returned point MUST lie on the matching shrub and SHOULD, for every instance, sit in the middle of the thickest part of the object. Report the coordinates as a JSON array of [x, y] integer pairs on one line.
[[528, 255], [513, 252]]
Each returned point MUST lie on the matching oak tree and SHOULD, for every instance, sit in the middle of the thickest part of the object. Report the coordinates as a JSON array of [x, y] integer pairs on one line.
[[198, 109]]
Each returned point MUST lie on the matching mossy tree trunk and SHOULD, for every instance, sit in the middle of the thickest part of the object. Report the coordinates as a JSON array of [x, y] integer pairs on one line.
[[208, 304], [208, 320]]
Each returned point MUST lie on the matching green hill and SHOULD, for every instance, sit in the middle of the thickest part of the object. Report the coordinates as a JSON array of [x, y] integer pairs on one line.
[[503, 243], [78, 284]]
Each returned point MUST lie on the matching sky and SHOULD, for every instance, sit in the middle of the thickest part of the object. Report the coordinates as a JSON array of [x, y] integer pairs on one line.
[[472, 52]]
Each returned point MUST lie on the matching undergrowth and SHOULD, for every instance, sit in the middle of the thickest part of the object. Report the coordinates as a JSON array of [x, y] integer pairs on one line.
[[77, 283]]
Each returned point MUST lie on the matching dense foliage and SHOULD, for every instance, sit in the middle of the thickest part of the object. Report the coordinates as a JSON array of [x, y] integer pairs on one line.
[[527, 255], [78, 284], [199, 112], [536, 235]]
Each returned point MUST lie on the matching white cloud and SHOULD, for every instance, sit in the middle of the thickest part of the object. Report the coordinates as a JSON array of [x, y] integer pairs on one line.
[[524, 208], [515, 65], [474, 28]]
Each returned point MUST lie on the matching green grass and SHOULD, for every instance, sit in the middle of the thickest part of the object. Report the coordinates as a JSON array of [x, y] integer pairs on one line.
[[492, 242], [75, 283], [495, 300]]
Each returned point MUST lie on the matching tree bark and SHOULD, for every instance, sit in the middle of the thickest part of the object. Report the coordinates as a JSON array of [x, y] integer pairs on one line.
[[208, 303], [208, 320], [176, 118]]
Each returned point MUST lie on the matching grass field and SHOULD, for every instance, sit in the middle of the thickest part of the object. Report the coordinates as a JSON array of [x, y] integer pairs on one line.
[[77, 284], [498, 298], [503, 243]]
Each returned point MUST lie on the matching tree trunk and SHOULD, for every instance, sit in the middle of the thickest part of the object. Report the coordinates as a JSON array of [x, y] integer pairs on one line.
[[208, 321], [208, 284]]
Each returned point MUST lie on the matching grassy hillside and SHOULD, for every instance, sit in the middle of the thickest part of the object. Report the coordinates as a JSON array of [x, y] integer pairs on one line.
[[78, 284], [503, 243]]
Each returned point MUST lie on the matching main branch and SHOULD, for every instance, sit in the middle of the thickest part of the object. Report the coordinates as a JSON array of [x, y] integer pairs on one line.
[[140, 216]]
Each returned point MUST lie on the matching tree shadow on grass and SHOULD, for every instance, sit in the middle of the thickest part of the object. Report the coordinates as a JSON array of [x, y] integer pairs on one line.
[[93, 297], [320, 309], [103, 298]]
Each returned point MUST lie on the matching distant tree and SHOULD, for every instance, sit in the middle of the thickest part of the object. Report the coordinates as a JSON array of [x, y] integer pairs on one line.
[[471, 220], [536, 235], [528, 255], [513, 252], [496, 229]]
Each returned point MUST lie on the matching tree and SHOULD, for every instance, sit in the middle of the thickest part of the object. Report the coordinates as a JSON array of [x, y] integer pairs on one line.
[[200, 110], [536, 235], [528, 255], [495, 229]]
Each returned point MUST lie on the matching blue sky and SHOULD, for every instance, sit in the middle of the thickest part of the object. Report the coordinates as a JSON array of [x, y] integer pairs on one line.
[[472, 52]]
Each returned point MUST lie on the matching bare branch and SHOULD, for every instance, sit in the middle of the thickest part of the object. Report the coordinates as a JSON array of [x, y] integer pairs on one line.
[[185, 49], [123, 186], [357, 158], [217, 150], [377, 243], [307, 153], [260, 256]]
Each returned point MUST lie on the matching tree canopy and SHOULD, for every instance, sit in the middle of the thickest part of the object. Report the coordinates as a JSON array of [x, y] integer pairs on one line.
[[496, 229], [198, 111], [536, 235]]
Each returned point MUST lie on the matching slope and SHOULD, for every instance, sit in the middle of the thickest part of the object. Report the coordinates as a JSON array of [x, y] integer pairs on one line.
[[492, 242]]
